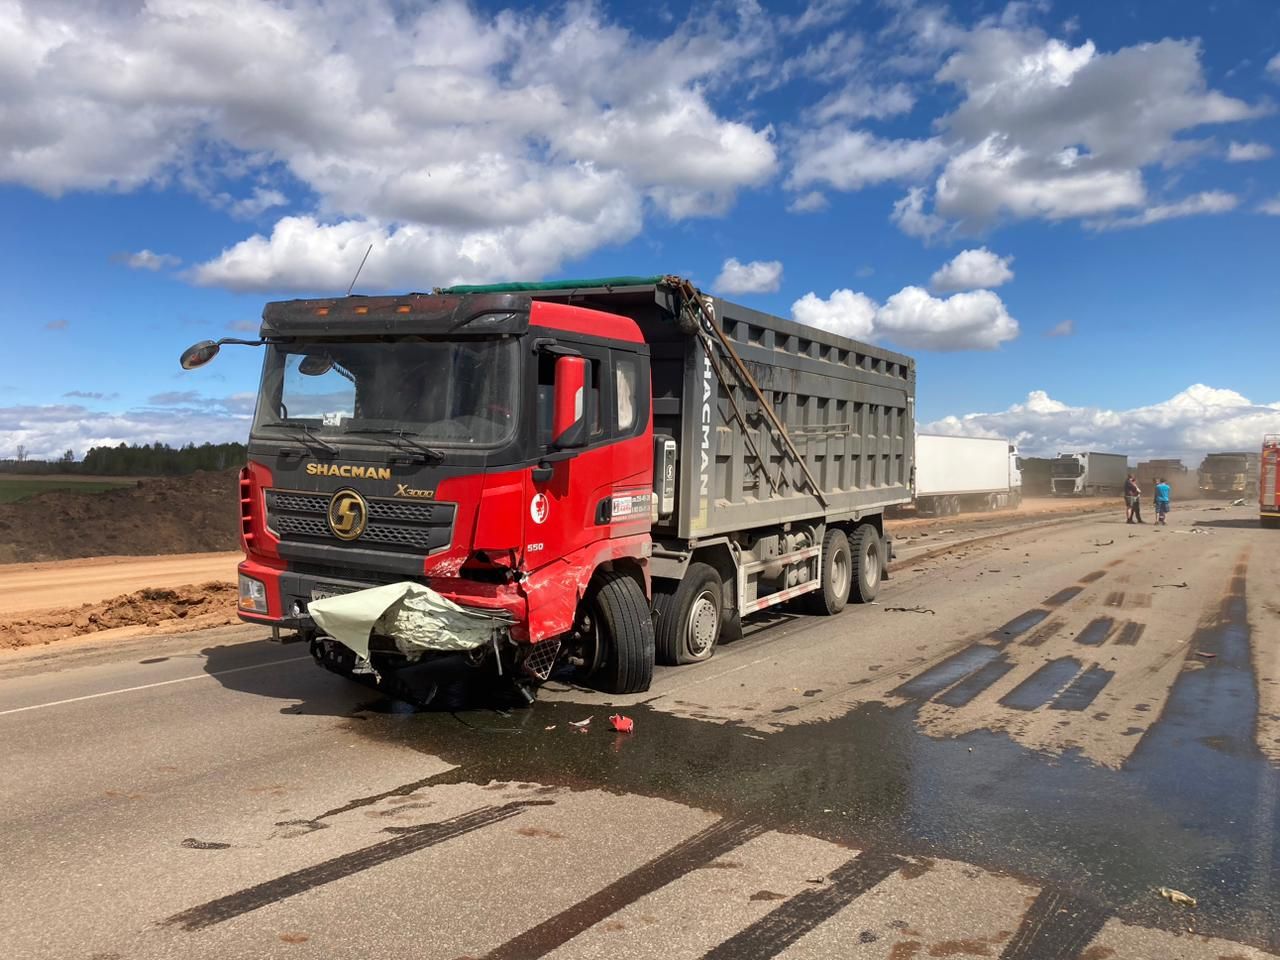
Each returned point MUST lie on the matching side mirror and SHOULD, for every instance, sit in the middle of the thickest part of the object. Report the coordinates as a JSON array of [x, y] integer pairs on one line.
[[569, 409], [198, 354], [315, 365]]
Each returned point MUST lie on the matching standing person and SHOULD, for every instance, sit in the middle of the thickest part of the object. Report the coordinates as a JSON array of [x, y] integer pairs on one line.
[[1133, 501], [1162, 501]]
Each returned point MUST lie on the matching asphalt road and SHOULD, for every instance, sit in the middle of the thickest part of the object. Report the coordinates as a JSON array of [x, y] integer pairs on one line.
[[1006, 757]]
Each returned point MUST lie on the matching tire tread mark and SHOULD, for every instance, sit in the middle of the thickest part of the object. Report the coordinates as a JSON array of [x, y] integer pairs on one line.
[[1058, 926], [299, 881], [804, 912], [698, 850]]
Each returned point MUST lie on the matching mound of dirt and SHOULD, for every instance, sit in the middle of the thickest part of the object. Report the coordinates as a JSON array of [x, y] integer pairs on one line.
[[190, 514], [182, 609]]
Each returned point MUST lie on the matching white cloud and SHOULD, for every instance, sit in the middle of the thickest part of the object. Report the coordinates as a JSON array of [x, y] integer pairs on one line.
[[912, 319], [758, 276], [860, 100], [1210, 201], [46, 431], [1044, 129], [1195, 421], [1273, 65], [1245, 152], [147, 260], [810, 202], [470, 136], [259, 202], [911, 218], [1067, 328], [845, 312], [972, 269], [1271, 207], [852, 159]]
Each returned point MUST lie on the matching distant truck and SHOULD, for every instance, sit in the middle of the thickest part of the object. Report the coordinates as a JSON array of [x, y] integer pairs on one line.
[[957, 474], [1089, 474], [1269, 481], [604, 473], [1233, 475], [1182, 483], [1037, 476]]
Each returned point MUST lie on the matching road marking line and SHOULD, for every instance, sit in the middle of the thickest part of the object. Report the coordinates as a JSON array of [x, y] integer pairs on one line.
[[148, 686]]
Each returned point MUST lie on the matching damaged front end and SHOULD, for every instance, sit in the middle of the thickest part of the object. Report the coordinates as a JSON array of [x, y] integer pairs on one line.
[[419, 646]]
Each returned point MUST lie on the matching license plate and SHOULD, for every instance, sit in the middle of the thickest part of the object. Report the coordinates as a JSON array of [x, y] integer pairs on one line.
[[322, 591]]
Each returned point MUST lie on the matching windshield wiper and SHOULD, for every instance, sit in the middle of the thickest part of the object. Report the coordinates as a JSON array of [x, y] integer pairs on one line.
[[307, 431], [403, 437]]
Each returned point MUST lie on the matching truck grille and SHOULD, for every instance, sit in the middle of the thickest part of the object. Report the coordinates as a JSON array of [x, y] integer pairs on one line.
[[393, 524]]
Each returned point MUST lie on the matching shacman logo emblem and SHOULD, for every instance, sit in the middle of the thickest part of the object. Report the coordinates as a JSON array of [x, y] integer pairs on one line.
[[348, 514]]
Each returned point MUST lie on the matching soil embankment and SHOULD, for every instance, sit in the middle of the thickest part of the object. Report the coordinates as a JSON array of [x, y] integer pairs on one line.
[[166, 515]]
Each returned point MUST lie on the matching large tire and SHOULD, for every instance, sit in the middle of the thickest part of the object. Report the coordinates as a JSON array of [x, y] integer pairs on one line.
[[836, 567], [867, 548], [624, 628], [688, 620]]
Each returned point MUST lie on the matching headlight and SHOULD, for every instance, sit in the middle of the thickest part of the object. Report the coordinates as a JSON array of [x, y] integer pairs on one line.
[[253, 595]]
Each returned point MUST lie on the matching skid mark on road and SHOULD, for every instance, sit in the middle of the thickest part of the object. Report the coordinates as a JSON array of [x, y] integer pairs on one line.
[[1130, 633], [1043, 685], [1062, 596], [1083, 690], [412, 840], [1093, 577], [1096, 632], [968, 688], [1059, 926]]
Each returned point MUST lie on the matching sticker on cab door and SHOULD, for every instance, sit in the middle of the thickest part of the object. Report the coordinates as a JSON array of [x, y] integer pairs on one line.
[[539, 508]]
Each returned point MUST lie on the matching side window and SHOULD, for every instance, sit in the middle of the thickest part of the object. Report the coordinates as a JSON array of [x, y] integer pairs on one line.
[[626, 392]]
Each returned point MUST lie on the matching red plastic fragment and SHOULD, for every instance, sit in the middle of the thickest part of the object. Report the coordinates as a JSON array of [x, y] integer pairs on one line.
[[622, 724]]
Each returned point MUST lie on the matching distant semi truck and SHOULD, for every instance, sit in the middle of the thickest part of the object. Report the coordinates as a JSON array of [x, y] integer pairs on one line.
[[958, 474], [1269, 481], [1037, 476], [1232, 475], [1089, 474]]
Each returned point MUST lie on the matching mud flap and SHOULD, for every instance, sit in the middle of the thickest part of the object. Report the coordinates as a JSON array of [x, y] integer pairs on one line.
[[888, 555]]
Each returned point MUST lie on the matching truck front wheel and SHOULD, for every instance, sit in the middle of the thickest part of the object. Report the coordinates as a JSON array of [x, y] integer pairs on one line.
[[689, 618], [837, 572], [868, 562], [623, 630]]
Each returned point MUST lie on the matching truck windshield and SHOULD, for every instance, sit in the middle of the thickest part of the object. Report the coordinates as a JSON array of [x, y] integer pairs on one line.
[[448, 394], [1067, 468]]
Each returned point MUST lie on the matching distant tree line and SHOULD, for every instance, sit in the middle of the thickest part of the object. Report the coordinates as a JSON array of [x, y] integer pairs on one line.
[[135, 460]]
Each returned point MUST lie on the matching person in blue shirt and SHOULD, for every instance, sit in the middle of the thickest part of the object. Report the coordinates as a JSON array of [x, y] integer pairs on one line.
[[1162, 501]]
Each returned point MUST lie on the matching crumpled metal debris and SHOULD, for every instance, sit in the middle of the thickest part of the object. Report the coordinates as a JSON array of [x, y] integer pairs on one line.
[[416, 617], [1178, 897], [1180, 586]]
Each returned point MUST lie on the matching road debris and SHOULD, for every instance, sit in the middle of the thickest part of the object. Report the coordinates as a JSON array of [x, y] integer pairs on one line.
[[1178, 897], [582, 724], [908, 610], [550, 727], [1237, 503], [1206, 654], [191, 843], [1103, 543], [622, 724], [1179, 586]]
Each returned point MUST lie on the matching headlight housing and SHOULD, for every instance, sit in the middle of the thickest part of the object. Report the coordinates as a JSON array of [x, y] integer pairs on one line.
[[253, 595]]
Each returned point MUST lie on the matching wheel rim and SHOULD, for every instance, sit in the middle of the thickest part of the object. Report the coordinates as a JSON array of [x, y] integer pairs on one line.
[[841, 574], [871, 564], [703, 623]]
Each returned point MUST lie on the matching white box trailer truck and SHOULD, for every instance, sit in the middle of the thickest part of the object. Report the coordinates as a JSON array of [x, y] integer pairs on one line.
[[955, 474], [1089, 474]]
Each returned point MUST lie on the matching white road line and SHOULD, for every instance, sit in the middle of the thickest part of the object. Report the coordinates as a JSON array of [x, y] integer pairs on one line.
[[148, 686]]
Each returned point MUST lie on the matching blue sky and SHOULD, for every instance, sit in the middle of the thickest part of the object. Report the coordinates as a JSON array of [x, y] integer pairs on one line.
[[1105, 172]]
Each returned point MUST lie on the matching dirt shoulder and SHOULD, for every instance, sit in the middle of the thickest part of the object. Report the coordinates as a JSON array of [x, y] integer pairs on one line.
[[155, 610]]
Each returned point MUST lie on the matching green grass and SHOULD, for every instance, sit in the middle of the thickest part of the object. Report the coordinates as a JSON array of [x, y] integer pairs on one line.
[[13, 489]]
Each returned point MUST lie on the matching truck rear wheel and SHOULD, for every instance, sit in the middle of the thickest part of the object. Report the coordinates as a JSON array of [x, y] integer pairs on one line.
[[623, 630], [868, 563], [688, 619], [837, 575]]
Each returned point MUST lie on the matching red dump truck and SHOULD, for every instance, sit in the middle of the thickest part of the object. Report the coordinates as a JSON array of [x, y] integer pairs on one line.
[[614, 472], [1269, 482]]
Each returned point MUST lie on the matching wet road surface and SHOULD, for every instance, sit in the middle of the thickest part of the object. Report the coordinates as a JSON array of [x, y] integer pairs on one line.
[[1006, 757]]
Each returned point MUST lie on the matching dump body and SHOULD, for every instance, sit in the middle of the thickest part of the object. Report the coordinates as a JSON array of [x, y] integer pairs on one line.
[[965, 472], [1089, 474], [1229, 474], [1269, 481]]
